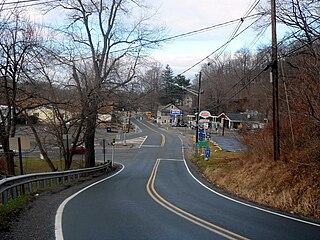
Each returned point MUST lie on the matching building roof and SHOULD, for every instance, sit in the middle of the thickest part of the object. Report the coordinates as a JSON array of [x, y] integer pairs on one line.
[[241, 117]]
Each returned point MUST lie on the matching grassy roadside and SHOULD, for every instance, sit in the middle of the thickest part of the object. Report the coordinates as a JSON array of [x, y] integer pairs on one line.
[[12, 209], [275, 184], [36, 165]]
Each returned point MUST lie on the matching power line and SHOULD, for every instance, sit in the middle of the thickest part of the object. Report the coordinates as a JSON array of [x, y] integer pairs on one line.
[[28, 5], [187, 34], [261, 71], [182, 35], [19, 2], [250, 9], [260, 60], [220, 46]]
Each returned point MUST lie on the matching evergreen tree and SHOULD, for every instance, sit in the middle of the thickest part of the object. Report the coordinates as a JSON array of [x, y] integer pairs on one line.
[[171, 92]]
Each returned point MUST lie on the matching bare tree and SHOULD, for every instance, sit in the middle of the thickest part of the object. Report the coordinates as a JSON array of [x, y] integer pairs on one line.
[[18, 38], [106, 41]]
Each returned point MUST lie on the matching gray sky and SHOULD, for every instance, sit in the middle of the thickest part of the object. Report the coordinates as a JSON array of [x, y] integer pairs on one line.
[[182, 16]]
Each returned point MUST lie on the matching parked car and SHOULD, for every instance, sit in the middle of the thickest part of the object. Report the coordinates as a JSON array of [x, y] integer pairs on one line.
[[79, 149]]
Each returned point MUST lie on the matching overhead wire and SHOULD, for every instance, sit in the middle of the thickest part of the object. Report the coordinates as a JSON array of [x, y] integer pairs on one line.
[[40, 2], [234, 34], [259, 62], [263, 70], [206, 57], [19, 2], [250, 9], [268, 63], [187, 34]]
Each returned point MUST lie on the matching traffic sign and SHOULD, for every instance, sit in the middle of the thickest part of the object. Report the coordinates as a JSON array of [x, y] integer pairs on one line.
[[207, 152], [202, 143]]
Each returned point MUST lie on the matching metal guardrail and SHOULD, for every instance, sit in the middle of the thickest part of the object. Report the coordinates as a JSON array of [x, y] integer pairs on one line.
[[12, 187]]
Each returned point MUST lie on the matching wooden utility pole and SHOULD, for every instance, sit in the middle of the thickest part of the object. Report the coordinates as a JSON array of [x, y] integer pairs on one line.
[[198, 117], [275, 85]]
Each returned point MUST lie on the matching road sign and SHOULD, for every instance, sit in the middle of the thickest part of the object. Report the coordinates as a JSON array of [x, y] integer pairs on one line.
[[201, 135], [175, 112], [200, 138], [207, 152], [202, 143]]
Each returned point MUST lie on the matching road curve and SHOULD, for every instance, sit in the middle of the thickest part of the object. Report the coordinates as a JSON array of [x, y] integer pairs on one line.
[[156, 197]]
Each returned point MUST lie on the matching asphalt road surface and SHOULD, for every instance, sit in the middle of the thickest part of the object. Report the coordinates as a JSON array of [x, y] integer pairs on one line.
[[229, 143], [155, 196]]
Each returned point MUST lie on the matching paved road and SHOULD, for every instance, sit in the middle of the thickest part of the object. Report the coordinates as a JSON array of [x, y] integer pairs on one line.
[[229, 143], [156, 197]]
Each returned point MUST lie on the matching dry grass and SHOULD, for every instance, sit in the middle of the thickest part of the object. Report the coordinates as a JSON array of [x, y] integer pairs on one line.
[[36, 165], [285, 185]]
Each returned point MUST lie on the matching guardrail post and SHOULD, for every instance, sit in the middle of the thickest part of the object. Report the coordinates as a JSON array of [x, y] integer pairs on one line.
[[34, 182], [30, 187], [21, 190], [14, 192], [5, 197]]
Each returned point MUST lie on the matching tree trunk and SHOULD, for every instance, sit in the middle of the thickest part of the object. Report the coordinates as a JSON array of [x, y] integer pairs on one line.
[[9, 158], [89, 140], [43, 152], [10, 164]]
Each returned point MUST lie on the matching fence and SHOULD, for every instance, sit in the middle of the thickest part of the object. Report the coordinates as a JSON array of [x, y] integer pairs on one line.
[[12, 187]]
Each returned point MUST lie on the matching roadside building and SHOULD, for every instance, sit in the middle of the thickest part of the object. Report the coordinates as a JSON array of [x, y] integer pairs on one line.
[[50, 114], [248, 119], [169, 115]]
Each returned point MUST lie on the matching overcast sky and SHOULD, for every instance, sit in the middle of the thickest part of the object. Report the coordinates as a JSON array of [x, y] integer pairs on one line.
[[182, 16]]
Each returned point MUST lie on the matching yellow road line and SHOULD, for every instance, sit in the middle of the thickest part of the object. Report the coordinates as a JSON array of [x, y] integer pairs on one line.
[[163, 141], [188, 216], [163, 138]]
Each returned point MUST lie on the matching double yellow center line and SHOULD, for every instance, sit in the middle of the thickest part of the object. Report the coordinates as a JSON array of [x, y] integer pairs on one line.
[[178, 211]]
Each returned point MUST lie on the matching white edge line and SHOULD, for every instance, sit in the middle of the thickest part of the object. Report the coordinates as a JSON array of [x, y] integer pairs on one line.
[[145, 138], [171, 159], [242, 203], [58, 218]]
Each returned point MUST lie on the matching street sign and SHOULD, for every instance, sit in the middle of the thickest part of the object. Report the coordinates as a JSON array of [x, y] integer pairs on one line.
[[203, 144], [207, 152], [200, 138], [175, 112], [201, 135]]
